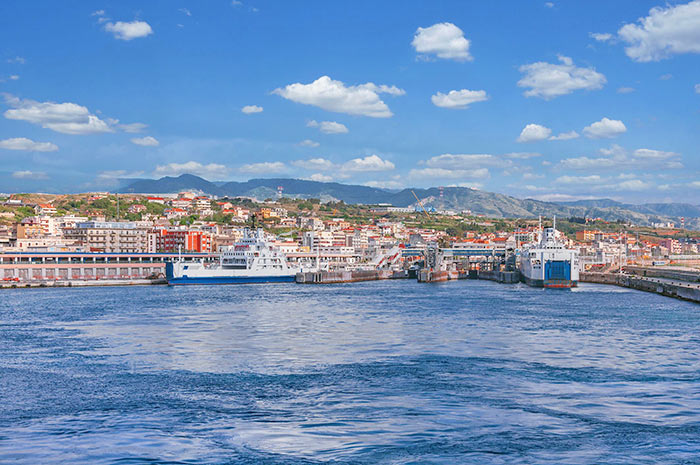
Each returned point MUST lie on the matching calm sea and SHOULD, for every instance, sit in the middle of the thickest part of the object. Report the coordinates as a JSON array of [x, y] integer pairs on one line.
[[387, 372]]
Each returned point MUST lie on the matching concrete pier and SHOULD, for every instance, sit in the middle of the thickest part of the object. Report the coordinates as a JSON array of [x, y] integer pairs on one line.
[[505, 277], [679, 289], [333, 277]]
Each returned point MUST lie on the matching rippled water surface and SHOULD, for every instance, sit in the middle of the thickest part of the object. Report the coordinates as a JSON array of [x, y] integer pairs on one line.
[[380, 372]]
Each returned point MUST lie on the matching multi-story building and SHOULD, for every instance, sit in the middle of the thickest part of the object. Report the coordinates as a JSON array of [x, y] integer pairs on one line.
[[112, 237], [182, 240], [37, 226]]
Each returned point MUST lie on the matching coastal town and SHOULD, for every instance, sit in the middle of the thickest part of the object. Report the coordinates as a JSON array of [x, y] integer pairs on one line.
[[103, 238]]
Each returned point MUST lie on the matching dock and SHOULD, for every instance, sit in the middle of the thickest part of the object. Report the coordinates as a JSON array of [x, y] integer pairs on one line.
[[335, 277], [669, 287]]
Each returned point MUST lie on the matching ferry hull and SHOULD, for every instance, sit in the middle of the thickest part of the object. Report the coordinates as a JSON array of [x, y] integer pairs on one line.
[[185, 280], [549, 283]]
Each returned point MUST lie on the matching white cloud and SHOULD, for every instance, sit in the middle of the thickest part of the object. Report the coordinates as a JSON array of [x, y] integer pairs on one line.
[[212, 170], [584, 163], [601, 36], [665, 32], [605, 128], [368, 163], [459, 99], [29, 175], [185, 11], [115, 174], [66, 118], [649, 154], [547, 80], [592, 179], [265, 167], [565, 136], [625, 90], [133, 127], [309, 143], [17, 60], [697, 88], [147, 141], [445, 40], [98, 13], [618, 157], [533, 132], [22, 143], [236, 3], [335, 96], [14, 77], [522, 155], [384, 184], [315, 164], [549, 4], [632, 185], [319, 177], [442, 173], [328, 127], [465, 161], [666, 77], [129, 30], [250, 109]]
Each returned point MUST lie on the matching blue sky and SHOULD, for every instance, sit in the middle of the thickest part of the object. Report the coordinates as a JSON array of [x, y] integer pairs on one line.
[[550, 100]]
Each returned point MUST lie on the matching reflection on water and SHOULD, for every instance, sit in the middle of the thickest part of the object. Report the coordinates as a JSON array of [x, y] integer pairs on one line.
[[379, 372]]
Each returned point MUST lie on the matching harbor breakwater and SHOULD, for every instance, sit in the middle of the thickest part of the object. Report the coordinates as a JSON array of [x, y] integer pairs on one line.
[[679, 290]]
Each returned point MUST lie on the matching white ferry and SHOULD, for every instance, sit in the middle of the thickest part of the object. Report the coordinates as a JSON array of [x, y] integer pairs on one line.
[[252, 260], [549, 263]]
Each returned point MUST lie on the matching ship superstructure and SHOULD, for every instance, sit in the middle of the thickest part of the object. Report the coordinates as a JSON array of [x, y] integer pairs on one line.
[[548, 263], [251, 260]]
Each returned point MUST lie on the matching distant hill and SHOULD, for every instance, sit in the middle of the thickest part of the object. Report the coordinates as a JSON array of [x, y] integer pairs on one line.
[[454, 198]]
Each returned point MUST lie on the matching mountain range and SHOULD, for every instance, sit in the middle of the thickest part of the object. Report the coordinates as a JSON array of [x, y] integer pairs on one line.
[[453, 198]]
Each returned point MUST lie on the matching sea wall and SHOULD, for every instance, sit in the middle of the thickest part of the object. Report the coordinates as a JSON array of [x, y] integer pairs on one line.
[[668, 273], [331, 277], [685, 291], [505, 277]]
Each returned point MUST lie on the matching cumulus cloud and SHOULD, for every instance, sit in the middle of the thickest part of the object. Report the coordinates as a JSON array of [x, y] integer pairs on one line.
[[212, 170], [522, 155], [633, 185], [319, 177], [315, 164], [308, 143], [129, 30], [458, 99], [465, 161], [601, 36], [565, 136], [444, 40], [325, 93], [533, 132], [604, 129], [250, 109], [665, 32], [592, 179], [29, 175], [22, 143], [548, 80], [133, 127], [617, 157], [265, 167], [66, 118], [328, 127], [649, 154], [368, 163], [147, 141], [443, 173]]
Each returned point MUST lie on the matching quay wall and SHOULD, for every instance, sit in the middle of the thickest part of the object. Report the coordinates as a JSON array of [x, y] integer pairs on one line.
[[505, 277], [333, 277], [654, 272], [685, 291], [82, 283]]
